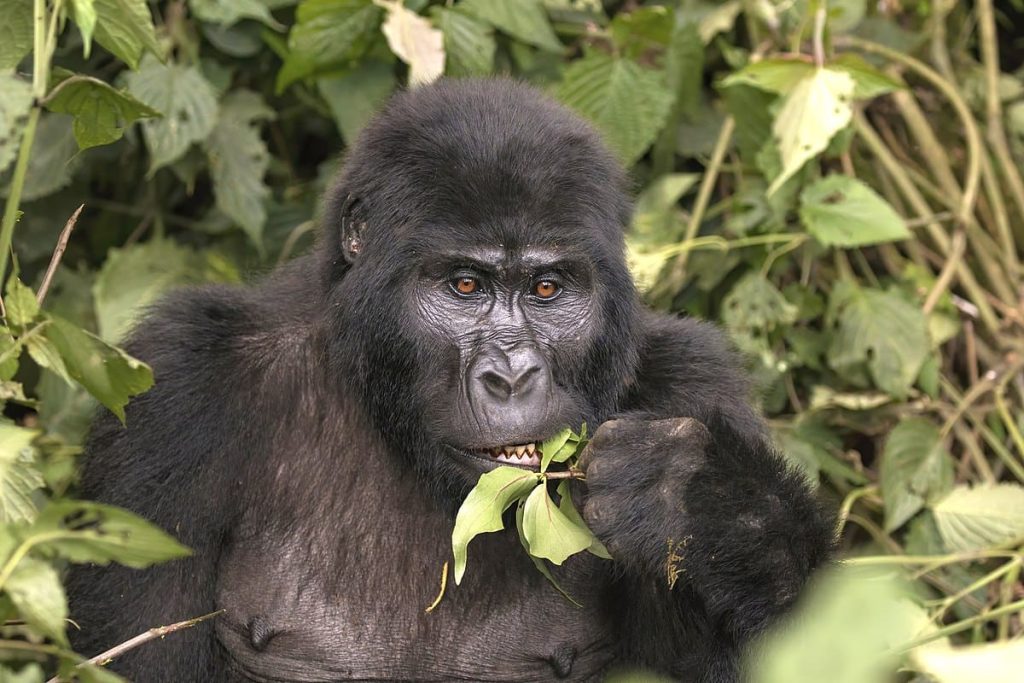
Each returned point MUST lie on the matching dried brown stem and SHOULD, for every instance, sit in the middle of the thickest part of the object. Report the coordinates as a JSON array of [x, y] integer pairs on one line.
[[58, 253]]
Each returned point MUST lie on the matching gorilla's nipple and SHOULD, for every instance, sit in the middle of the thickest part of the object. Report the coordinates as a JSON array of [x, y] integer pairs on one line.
[[561, 660], [260, 633]]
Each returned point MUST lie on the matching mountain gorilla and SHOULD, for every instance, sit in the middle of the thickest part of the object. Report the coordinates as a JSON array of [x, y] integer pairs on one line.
[[311, 437]]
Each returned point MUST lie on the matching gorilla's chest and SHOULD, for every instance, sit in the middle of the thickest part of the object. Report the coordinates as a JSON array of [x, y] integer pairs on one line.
[[348, 603]]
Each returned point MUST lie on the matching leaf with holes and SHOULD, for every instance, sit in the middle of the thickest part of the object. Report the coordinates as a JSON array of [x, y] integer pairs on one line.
[[916, 468], [842, 211], [981, 517]]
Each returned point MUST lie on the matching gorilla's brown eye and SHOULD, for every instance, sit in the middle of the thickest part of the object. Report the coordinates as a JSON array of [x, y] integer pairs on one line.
[[545, 289], [465, 285]]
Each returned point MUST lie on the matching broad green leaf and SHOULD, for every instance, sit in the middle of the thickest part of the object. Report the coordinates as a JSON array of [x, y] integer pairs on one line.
[[524, 20], [980, 517], [239, 160], [720, 17], [566, 506], [684, 71], [19, 474], [328, 33], [413, 40], [481, 512], [916, 468], [14, 109], [642, 30], [656, 219], [35, 589], [469, 44], [54, 158], [868, 82], [355, 96], [816, 108], [101, 112], [628, 103], [992, 663], [187, 101], [82, 531], [15, 41], [83, 13], [549, 447], [227, 12], [551, 534], [537, 562], [883, 331], [753, 309], [107, 372], [134, 277], [842, 211], [779, 75], [20, 302], [47, 355], [125, 27]]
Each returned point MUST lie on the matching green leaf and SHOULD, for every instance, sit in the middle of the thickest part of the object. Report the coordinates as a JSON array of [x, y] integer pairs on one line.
[[83, 13], [628, 103], [779, 75], [415, 41], [35, 589], [549, 447], [537, 562], [991, 663], [82, 531], [19, 474], [54, 158], [753, 309], [133, 278], [481, 512], [980, 517], [101, 112], [15, 40], [355, 96], [916, 468], [20, 302], [882, 330], [10, 354], [125, 27], [239, 160], [188, 103], [842, 211], [107, 372], [565, 505], [524, 20], [228, 12], [817, 108], [14, 109], [656, 215], [31, 673], [551, 534], [468, 43], [642, 31], [328, 33], [868, 82]]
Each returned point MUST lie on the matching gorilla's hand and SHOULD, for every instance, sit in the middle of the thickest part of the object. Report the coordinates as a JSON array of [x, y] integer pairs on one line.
[[703, 506]]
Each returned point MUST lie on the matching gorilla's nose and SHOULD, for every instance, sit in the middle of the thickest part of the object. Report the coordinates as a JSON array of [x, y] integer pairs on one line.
[[507, 376]]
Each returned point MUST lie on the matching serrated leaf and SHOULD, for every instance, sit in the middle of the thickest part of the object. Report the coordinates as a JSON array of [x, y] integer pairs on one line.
[[481, 512], [35, 589], [566, 506], [550, 446], [15, 40], [101, 112], [14, 109], [19, 474], [20, 302], [883, 331], [468, 43], [980, 517], [537, 562], [125, 27], [106, 372], [991, 663], [551, 534], [54, 158], [524, 20], [842, 211], [239, 160], [915, 469], [82, 531], [355, 96], [187, 101], [816, 109], [228, 12], [628, 103], [328, 33], [413, 40]]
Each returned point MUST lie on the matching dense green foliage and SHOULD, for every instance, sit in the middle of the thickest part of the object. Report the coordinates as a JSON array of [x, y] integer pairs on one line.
[[836, 182]]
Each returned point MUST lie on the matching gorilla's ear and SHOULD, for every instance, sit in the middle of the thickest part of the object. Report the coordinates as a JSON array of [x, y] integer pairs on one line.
[[353, 226]]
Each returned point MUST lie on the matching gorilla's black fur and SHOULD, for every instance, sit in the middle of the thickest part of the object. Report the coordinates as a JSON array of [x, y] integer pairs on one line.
[[311, 436]]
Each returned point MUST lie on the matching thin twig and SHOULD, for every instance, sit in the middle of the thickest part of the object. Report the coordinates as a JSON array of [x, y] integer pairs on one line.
[[113, 653], [956, 253], [58, 253], [819, 35]]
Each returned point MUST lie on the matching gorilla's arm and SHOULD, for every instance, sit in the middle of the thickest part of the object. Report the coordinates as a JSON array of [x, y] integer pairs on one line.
[[744, 529], [172, 467]]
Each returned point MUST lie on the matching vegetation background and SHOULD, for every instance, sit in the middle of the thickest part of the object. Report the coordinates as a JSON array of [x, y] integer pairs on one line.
[[838, 183]]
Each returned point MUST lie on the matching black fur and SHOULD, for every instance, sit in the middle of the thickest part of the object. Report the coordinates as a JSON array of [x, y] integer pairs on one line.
[[308, 436]]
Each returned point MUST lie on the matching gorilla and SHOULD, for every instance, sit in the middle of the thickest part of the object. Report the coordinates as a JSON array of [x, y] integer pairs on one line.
[[311, 437]]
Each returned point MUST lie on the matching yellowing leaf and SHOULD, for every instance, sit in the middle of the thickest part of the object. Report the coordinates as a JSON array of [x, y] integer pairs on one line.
[[549, 532], [414, 41], [980, 517], [816, 108], [481, 512], [995, 663]]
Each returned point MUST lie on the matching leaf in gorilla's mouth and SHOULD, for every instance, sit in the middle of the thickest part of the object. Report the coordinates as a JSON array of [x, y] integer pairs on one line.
[[523, 454]]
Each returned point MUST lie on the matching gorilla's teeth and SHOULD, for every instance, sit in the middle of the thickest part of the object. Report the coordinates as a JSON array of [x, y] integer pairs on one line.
[[531, 448], [520, 450]]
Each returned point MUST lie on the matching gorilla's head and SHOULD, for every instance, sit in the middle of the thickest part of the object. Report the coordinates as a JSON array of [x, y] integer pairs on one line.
[[474, 257]]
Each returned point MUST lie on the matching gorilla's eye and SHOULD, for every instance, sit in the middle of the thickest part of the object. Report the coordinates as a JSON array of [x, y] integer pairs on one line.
[[465, 285], [546, 289]]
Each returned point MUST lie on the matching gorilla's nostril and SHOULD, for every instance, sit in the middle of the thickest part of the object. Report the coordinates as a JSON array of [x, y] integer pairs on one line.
[[496, 385], [525, 380]]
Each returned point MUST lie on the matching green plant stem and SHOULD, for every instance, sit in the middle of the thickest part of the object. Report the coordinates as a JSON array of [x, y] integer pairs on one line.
[[1006, 596], [934, 561], [17, 184], [963, 625], [993, 575]]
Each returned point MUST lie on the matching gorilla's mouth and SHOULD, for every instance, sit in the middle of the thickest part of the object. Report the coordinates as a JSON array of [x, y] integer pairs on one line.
[[525, 454]]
